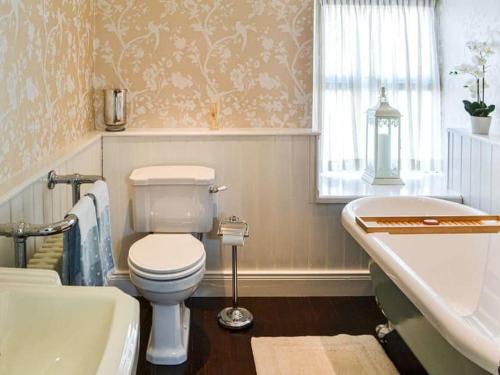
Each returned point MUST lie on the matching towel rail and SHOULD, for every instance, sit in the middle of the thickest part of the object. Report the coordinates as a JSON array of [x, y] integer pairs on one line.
[[75, 180], [20, 232]]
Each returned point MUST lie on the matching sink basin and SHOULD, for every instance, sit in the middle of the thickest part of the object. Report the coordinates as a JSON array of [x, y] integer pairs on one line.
[[47, 328], [30, 277]]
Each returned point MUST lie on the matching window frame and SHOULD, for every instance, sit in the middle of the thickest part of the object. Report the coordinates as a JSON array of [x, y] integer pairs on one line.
[[317, 125]]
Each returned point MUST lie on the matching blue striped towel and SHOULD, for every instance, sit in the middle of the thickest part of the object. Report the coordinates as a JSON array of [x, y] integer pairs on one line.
[[100, 196], [81, 258]]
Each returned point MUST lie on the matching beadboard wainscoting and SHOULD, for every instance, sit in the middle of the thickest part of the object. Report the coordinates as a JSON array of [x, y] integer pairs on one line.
[[474, 168], [296, 246], [32, 202]]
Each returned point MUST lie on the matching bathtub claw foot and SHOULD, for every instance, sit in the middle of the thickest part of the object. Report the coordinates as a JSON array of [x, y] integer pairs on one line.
[[382, 330]]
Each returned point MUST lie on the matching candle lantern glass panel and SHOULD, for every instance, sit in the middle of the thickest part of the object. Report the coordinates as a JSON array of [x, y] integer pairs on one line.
[[383, 144], [371, 133]]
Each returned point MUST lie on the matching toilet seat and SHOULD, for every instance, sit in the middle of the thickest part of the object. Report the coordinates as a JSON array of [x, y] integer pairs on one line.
[[166, 256]]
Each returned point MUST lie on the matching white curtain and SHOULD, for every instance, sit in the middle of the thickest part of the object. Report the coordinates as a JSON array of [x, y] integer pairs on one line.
[[366, 44]]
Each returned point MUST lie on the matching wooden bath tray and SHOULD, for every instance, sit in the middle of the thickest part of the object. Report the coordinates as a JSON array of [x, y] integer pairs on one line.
[[430, 224]]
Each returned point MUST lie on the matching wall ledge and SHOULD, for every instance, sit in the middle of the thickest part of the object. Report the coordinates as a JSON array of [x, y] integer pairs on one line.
[[203, 132], [493, 139]]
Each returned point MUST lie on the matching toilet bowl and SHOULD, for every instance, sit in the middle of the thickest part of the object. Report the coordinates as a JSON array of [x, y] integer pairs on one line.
[[171, 201], [166, 270]]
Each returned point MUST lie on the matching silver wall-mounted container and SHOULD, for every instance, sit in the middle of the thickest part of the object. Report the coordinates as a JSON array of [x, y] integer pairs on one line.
[[115, 109]]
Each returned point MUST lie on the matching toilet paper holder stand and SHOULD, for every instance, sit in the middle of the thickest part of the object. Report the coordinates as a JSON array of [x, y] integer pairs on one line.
[[233, 226], [234, 317]]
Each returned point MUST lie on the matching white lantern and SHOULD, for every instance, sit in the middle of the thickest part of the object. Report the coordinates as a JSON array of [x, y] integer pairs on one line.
[[383, 144]]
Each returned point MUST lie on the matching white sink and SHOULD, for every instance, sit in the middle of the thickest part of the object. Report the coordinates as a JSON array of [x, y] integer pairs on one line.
[[46, 328]]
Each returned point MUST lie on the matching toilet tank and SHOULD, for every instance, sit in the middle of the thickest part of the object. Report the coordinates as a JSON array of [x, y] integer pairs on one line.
[[172, 199]]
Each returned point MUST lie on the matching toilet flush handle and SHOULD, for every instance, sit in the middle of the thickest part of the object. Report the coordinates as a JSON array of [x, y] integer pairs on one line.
[[216, 189]]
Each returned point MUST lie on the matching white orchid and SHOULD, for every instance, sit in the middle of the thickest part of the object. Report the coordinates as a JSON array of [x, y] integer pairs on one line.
[[481, 51], [464, 68], [473, 70], [481, 48], [479, 60], [477, 85]]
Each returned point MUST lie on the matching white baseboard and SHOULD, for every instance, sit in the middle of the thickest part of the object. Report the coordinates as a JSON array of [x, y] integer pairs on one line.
[[273, 283], [288, 284]]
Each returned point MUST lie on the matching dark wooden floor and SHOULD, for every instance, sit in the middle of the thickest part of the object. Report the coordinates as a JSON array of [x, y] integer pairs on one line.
[[213, 350]]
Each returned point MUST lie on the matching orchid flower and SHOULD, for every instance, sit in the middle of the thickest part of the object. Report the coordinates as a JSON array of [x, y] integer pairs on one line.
[[481, 51]]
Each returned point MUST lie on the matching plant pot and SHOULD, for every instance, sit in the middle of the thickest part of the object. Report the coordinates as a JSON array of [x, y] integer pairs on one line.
[[480, 125]]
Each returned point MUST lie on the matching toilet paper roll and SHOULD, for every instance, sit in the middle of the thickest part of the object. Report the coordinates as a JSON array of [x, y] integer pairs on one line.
[[233, 240]]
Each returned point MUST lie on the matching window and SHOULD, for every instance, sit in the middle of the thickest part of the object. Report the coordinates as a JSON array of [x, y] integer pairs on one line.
[[366, 44]]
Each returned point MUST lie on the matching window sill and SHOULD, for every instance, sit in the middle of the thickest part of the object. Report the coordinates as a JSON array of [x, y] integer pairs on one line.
[[344, 187]]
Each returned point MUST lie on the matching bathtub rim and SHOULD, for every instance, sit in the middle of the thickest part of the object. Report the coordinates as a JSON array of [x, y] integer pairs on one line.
[[467, 340]]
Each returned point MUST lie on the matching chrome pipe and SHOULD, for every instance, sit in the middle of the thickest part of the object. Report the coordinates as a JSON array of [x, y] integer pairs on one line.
[[20, 253], [70, 179], [75, 180], [235, 277], [20, 232], [38, 230], [75, 193]]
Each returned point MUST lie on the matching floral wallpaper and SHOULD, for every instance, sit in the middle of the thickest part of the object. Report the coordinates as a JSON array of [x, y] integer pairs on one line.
[[177, 57], [46, 73]]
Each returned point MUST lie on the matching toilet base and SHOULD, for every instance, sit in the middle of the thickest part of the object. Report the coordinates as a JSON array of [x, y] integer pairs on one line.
[[169, 336]]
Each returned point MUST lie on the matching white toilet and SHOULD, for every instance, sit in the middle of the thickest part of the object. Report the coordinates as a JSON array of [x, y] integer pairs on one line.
[[166, 267]]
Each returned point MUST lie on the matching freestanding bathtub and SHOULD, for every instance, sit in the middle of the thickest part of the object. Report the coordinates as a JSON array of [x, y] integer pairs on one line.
[[441, 292]]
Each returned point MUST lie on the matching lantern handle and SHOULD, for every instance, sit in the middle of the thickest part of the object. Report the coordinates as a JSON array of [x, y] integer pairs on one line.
[[383, 96]]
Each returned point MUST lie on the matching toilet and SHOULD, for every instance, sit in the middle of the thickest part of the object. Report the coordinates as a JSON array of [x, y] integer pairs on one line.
[[172, 203]]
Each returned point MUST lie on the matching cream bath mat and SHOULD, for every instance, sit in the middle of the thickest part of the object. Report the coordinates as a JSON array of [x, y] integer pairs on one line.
[[320, 355]]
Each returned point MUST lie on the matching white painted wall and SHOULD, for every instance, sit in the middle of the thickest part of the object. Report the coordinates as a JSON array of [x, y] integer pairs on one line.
[[35, 203], [461, 21], [475, 169], [295, 245]]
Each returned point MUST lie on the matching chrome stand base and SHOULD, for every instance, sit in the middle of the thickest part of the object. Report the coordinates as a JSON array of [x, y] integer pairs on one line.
[[235, 318], [382, 330]]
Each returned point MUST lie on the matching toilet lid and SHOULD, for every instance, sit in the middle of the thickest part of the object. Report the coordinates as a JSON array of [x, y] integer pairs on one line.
[[166, 253]]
